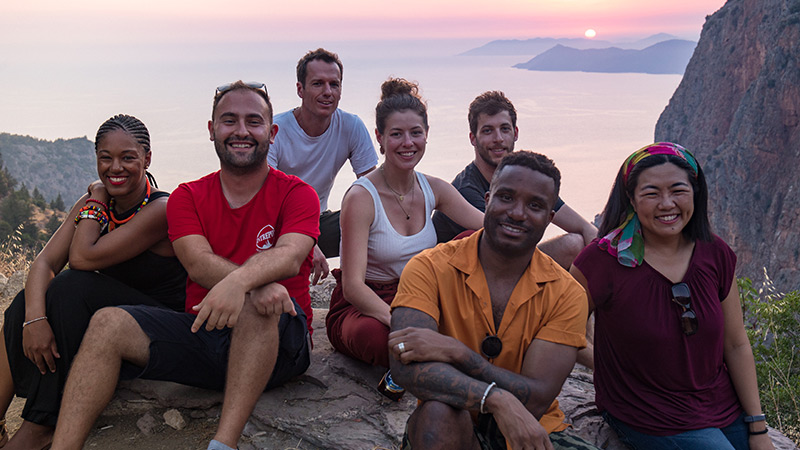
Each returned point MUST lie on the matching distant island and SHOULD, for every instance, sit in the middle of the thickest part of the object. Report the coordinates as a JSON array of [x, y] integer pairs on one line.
[[658, 54], [668, 57]]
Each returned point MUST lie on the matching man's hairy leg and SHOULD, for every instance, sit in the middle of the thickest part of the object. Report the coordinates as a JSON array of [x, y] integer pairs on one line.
[[251, 359], [438, 426], [113, 336]]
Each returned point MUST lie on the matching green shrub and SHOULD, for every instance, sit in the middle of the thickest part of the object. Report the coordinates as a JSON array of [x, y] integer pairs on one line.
[[772, 320]]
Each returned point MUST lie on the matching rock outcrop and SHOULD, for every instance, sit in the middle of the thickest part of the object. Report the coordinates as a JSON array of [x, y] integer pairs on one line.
[[335, 405], [738, 109]]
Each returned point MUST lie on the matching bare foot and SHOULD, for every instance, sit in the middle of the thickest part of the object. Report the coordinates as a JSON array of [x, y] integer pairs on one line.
[[31, 436]]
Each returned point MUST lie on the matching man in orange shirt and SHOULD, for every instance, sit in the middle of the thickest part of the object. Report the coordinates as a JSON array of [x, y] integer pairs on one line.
[[489, 326]]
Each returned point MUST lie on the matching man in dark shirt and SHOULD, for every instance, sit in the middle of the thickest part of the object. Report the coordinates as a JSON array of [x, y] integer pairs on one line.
[[493, 131]]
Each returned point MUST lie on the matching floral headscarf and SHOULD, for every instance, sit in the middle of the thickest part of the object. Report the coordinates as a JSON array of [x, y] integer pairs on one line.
[[625, 242]]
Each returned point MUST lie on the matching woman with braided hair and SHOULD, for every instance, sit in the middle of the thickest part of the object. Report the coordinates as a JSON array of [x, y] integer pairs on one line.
[[115, 240]]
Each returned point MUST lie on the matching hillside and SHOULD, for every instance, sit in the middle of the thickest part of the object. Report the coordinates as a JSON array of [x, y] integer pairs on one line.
[[63, 166], [738, 109], [668, 57]]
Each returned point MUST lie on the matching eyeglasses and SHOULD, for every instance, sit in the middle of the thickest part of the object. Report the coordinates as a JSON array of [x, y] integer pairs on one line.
[[683, 297], [251, 84], [491, 346]]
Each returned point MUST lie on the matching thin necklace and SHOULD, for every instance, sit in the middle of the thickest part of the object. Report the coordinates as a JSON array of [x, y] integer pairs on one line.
[[114, 222], [399, 197]]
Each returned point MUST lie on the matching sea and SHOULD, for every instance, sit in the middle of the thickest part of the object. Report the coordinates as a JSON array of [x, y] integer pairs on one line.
[[586, 122]]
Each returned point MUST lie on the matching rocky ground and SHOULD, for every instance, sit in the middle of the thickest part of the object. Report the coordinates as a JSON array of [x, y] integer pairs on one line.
[[333, 406]]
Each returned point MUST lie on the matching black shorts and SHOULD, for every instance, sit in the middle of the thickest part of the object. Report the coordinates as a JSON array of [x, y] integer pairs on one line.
[[329, 233], [200, 359]]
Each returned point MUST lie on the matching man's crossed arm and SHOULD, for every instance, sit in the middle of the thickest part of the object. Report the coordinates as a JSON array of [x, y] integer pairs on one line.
[[229, 283], [440, 368]]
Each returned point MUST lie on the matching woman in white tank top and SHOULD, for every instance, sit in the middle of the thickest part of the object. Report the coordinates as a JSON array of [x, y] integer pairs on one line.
[[386, 220]]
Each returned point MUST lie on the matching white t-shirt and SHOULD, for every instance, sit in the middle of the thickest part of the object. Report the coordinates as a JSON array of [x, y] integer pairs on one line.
[[317, 160]]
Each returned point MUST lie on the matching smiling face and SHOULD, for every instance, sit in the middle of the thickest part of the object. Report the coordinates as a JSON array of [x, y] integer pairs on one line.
[[495, 138], [404, 139], [121, 163], [322, 88], [241, 130], [664, 201], [519, 207]]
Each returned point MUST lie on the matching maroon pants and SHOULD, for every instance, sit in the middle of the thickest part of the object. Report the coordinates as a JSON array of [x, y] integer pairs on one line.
[[354, 334]]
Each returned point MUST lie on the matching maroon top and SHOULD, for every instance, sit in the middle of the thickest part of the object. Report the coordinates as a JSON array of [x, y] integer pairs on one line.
[[648, 373]]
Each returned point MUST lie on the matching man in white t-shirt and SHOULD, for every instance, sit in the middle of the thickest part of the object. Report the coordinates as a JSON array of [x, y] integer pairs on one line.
[[317, 138]]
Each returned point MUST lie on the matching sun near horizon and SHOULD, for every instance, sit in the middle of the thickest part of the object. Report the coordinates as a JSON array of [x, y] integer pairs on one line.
[[590, 33]]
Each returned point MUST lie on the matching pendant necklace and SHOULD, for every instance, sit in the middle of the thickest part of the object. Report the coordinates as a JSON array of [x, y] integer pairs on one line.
[[398, 196]]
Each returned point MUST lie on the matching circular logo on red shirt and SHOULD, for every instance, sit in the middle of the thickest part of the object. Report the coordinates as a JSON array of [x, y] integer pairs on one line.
[[265, 238]]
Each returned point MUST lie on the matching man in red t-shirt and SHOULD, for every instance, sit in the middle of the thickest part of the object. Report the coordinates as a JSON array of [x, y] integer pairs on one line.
[[244, 235]]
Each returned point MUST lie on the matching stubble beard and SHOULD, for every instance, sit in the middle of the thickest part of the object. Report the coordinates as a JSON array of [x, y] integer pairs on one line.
[[245, 164], [485, 155]]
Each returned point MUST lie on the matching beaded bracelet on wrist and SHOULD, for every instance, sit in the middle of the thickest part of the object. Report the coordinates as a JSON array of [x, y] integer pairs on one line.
[[94, 214]]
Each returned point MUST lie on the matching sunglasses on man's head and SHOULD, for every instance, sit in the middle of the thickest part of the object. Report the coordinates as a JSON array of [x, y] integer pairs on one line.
[[251, 84], [683, 297]]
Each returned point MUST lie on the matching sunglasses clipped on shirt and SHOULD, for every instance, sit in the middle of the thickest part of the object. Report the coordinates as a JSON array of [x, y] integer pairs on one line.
[[683, 297]]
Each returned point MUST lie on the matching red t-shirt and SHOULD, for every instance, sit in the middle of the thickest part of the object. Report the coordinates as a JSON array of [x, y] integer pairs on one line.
[[284, 204]]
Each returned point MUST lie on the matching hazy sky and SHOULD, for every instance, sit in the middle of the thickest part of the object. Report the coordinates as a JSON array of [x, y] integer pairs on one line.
[[152, 21]]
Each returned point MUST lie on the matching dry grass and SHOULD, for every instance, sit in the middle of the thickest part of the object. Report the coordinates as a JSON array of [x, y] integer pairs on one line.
[[13, 256]]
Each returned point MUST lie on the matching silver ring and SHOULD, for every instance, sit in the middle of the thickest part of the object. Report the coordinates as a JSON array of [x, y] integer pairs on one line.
[[402, 347]]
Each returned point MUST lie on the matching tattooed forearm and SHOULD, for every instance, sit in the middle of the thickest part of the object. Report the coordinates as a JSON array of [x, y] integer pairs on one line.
[[462, 384]]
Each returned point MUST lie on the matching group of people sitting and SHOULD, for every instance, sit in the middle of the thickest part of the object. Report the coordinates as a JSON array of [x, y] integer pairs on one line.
[[209, 286]]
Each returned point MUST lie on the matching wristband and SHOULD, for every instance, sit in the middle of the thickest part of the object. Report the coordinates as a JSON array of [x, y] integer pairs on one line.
[[756, 418], [486, 394], [25, 324], [754, 433]]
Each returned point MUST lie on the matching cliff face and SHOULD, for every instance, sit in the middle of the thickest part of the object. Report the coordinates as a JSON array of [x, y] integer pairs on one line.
[[737, 108]]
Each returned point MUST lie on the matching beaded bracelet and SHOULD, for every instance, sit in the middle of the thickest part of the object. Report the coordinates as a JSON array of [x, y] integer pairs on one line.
[[486, 394], [94, 200], [25, 324], [92, 213]]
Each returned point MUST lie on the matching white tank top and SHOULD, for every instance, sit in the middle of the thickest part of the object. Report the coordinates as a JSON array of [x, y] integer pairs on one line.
[[388, 251]]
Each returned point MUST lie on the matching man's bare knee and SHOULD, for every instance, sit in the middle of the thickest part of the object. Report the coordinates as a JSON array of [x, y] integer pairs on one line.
[[251, 320], [439, 426], [115, 330], [563, 249]]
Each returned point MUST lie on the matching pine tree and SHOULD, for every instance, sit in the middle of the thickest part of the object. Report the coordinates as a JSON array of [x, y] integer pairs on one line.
[[38, 198], [58, 203]]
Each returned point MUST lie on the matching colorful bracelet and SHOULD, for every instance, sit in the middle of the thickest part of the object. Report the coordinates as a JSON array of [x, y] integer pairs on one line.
[[25, 324], [94, 213], [94, 200], [485, 395]]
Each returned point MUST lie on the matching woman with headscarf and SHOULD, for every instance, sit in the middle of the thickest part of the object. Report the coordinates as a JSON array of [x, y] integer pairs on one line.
[[673, 365]]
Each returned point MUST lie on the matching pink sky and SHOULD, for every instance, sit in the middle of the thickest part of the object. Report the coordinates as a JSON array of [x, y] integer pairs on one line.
[[81, 21]]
